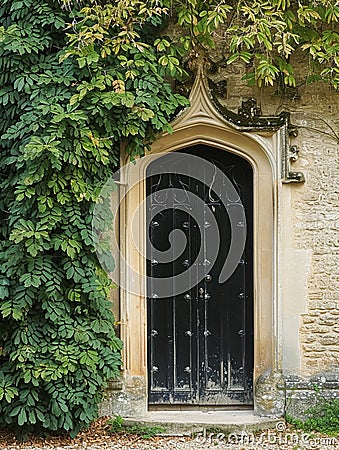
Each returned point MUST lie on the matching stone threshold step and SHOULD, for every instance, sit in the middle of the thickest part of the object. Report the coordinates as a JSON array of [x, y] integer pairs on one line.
[[191, 422]]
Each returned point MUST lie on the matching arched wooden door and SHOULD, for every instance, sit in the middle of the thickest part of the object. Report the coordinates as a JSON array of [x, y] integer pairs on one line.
[[200, 340]]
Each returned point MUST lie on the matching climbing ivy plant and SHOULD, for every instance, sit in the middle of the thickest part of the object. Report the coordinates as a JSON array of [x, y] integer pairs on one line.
[[284, 42], [66, 111]]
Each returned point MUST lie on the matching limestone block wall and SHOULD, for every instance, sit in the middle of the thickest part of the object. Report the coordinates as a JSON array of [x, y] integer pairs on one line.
[[316, 227], [310, 222], [314, 224]]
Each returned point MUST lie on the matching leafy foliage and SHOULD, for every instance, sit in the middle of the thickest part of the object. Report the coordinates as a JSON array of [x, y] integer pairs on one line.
[[263, 34], [66, 112], [267, 33], [145, 432], [323, 417]]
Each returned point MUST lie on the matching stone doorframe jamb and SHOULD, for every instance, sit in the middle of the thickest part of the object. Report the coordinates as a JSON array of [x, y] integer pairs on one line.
[[201, 123]]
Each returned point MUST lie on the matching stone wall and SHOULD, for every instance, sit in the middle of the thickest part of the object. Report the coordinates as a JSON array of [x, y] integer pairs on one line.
[[316, 228], [310, 294], [311, 211]]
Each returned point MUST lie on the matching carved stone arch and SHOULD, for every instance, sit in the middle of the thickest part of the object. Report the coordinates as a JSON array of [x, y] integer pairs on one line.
[[264, 143]]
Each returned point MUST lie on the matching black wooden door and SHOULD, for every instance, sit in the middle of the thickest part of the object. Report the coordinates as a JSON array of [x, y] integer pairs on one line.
[[200, 337]]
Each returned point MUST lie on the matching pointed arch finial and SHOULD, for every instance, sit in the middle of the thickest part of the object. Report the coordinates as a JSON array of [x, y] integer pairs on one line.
[[206, 108]]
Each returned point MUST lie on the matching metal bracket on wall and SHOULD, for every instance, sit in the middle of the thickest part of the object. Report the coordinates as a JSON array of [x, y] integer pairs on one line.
[[291, 155], [250, 119]]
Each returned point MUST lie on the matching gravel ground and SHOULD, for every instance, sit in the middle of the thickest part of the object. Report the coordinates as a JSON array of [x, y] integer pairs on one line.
[[99, 438]]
